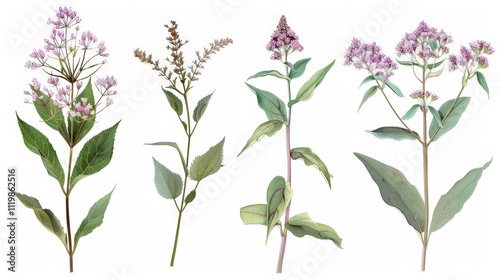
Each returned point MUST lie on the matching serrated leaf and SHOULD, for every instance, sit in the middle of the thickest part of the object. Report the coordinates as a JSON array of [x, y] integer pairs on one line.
[[368, 94], [94, 218], [301, 225], [50, 113], [452, 119], [279, 194], [174, 102], [44, 216], [79, 129], [396, 191], [453, 201], [254, 214], [298, 68], [268, 128], [413, 110], [393, 132], [368, 78], [168, 184], [39, 144], [307, 90], [310, 158], [174, 145], [482, 81], [274, 73], [190, 197], [94, 156], [274, 107], [208, 163], [436, 115], [201, 107]]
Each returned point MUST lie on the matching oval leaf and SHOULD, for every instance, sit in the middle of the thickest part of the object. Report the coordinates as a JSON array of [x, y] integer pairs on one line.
[[190, 197], [396, 191], [298, 68], [274, 107], [307, 90], [393, 132], [310, 158], [268, 128], [368, 94], [482, 81], [208, 163], [274, 73], [254, 214], [301, 225], [411, 112], [174, 101], [452, 119], [453, 201], [168, 184], [174, 145], [201, 107], [279, 194]]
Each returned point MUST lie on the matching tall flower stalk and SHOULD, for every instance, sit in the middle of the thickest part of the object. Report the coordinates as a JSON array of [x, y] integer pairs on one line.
[[169, 184], [283, 43], [424, 50], [69, 58]]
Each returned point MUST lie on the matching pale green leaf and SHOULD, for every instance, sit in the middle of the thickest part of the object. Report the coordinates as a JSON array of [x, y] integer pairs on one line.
[[168, 184], [307, 90], [268, 128], [413, 110], [174, 101], [208, 163], [201, 107], [301, 225], [279, 194], [452, 119], [310, 158], [274, 107], [274, 73], [368, 94], [393, 132]]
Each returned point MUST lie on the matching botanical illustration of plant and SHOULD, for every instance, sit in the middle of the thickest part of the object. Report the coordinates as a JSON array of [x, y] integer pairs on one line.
[[169, 184], [279, 193], [71, 57], [425, 50]]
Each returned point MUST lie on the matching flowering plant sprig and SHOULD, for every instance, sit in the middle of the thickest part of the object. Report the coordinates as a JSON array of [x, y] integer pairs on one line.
[[170, 185], [69, 59], [279, 192], [425, 49]]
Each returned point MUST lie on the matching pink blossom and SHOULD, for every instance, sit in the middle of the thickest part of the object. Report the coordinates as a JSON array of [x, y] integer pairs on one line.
[[283, 39], [101, 49], [109, 102], [53, 81], [36, 84], [87, 40], [416, 43]]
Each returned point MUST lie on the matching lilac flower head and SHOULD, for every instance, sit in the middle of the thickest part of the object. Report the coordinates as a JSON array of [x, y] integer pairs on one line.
[[36, 84], [424, 42], [87, 40], [283, 40], [424, 98], [65, 18], [471, 59], [53, 81], [101, 48], [371, 58]]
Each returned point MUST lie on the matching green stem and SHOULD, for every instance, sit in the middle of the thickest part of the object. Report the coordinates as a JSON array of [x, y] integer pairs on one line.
[[172, 260], [68, 224]]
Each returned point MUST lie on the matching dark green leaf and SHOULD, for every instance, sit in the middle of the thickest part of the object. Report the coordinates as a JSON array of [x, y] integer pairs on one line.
[[274, 107], [201, 107], [407, 63], [40, 145], [368, 94], [79, 127], [298, 68], [393, 132], [268, 128], [453, 201], [310, 158], [436, 115], [368, 78], [289, 64], [301, 225], [191, 196], [392, 86], [168, 184], [279, 194], [397, 191], [174, 102], [411, 112], [174, 145], [452, 119], [274, 73], [307, 90], [50, 113], [254, 214], [208, 163], [293, 102], [482, 81]]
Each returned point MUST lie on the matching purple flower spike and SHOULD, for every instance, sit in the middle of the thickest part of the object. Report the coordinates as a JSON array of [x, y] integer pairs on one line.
[[283, 40]]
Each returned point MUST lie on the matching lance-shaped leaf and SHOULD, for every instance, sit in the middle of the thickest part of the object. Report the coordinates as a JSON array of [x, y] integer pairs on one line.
[[268, 128], [396, 191], [94, 156], [307, 90], [40, 145], [452, 119], [208, 163], [435, 65], [301, 225], [482, 81], [50, 113], [94, 218], [174, 101], [391, 85], [436, 115], [274, 73], [201, 107], [298, 68], [174, 145], [310, 158], [413, 110], [279, 194], [79, 129], [254, 214], [168, 184], [44, 216], [453, 201], [407, 63], [368, 78], [274, 107], [435, 74], [368, 94], [393, 132]]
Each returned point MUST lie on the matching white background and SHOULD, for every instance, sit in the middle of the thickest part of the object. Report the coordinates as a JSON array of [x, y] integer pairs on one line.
[[135, 240]]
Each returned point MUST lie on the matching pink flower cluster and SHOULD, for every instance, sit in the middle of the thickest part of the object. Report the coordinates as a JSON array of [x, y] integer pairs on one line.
[[471, 59], [371, 58], [417, 43], [283, 40], [423, 97], [82, 109], [104, 86]]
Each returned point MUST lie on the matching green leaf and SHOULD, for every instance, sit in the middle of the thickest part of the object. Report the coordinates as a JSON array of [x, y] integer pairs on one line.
[[368, 78], [289, 64], [298, 68], [368, 94], [40, 145], [392, 86], [268, 128], [310, 158], [393, 132], [78, 127], [452, 119], [396, 191], [201, 107], [307, 90], [279, 194], [436, 115], [254, 214], [174, 145], [94, 218], [453, 201], [301, 225], [432, 44], [44, 216], [274, 73], [435, 65], [50, 113], [407, 63], [435, 74], [293, 102], [190, 197], [94, 156], [411, 112], [174, 101], [482, 81], [168, 184], [274, 107], [208, 163]]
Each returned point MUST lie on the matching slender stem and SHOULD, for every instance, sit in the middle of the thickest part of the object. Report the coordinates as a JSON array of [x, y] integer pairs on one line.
[[68, 224], [172, 260], [426, 188]]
